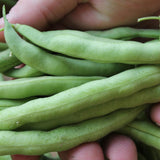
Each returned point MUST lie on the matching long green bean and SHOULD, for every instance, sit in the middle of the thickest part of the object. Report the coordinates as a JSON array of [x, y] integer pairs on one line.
[[7, 60], [66, 137], [54, 64], [6, 157], [143, 131], [126, 32], [82, 45], [3, 46], [23, 72], [5, 103], [81, 97], [146, 96], [40, 86]]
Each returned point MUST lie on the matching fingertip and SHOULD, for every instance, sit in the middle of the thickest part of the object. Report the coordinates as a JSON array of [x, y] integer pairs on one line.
[[120, 147], [87, 151], [155, 113], [2, 39]]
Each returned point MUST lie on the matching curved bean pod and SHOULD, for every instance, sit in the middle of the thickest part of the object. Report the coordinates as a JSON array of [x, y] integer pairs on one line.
[[143, 131], [66, 137], [126, 32], [1, 77], [85, 46], [23, 72], [5, 103], [146, 96], [95, 68], [54, 64], [7, 60], [81, 97], [40, 86], [3, 46], [7, 157]]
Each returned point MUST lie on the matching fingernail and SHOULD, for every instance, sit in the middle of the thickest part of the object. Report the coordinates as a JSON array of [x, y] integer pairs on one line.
[[1, 23]]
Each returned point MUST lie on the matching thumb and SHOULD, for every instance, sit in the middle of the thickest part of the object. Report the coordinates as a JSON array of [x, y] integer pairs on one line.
[[38, 13]]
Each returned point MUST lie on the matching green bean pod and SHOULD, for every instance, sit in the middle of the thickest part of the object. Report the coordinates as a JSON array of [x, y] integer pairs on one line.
[[1, 77], [82, 45], [104, 70], [52, 64], [143, 131], [89, 94], [3, 46], [146, 96], [66, 137], [5, 103], [7, 60], [23, 72], [40, 86], [6, 157], [126, 32]]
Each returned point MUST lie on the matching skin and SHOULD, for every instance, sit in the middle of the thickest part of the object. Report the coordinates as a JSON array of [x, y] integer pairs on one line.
[[76, 14]]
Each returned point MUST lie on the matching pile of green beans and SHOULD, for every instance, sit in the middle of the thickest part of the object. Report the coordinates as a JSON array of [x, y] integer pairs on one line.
[[70, 87]]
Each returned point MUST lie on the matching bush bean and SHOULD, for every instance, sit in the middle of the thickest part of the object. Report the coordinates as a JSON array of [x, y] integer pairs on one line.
[[126, 33], [66, 137], [146, 96], [40, 86], [82, 45], [81, 97], [143, 131], [7, 60]]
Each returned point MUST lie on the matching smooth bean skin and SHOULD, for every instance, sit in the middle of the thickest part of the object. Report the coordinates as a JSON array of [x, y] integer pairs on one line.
[[1, 77], [89, 94], [3, 46], [66, 137], [126, 32], [12, 102], [85, 46], [146, 96], [23, 72], [40, 86], [7, 157], [143, 131], [7, 60], [52, 64], [104, 70]]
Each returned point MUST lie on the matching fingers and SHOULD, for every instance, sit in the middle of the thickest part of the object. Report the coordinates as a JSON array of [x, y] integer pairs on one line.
[[120, 147], [38, 13], [22, 157], [116, 147], [155, 113], [88, 151]]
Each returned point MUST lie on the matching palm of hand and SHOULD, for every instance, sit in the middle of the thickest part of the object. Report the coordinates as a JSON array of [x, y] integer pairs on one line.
[[102, 14], [81, 14]]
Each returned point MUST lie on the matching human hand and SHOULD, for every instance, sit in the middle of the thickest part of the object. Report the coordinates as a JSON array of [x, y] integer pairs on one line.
[[82, 14]]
